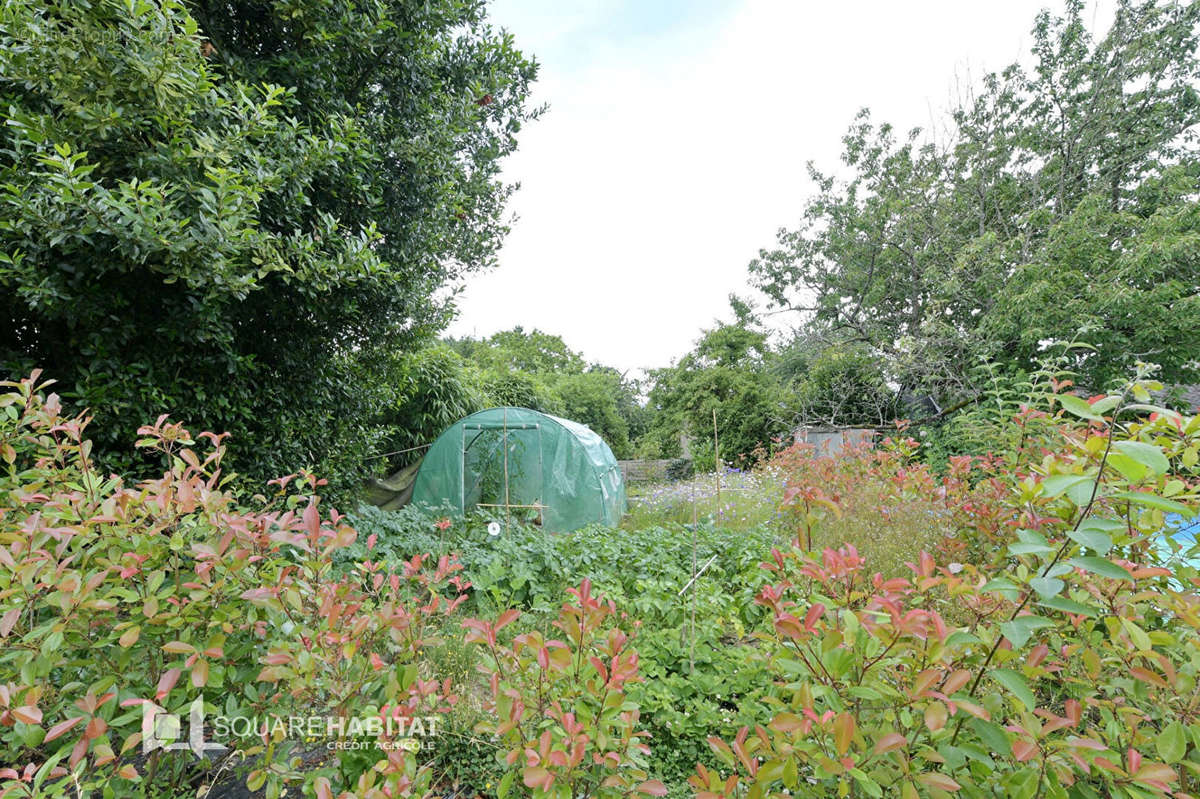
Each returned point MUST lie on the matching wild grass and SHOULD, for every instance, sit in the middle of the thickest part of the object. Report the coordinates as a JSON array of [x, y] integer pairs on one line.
[[734, 500], [888, 528]]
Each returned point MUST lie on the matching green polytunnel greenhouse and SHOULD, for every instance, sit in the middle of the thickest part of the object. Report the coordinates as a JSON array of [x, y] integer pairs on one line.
[[519, 461]]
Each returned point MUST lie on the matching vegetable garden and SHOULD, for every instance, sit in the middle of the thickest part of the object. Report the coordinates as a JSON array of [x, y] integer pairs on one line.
[[253, 219], [1001, 628]]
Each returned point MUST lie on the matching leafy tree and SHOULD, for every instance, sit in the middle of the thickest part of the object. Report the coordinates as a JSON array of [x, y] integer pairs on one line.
[[629, 396], [591, 398], [1144, 307], [534, 352], [727, 373], [533, 369], [843, 386], [1060, 207], [434, 389], [234, 211], [520, 390]]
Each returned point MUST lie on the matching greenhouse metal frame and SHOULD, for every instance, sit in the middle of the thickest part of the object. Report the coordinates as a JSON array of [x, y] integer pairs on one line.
[[506, 460]]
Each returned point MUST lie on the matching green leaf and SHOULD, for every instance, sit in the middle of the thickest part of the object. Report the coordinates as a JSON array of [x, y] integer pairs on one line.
[[1016, 685], [1156, 502], [1030, 537], [1130, 469], [1081, 493], [869, 786], [1057, 484], [960, 638], [1029, 549], [1030, 543], [1171, 743], [1148, 408], [1095, 540], [1146, 454], [1006, 588], [505, 785], [256, 779], [408, 675], [1069, 606], [1102, 524], [1057, 570], [772, 770], [1023, 784], [864, 692], [1102, 567], [1137, 635], [47, 767], [1078, 407], [992, 735], [1046, 586], [1021, 628]]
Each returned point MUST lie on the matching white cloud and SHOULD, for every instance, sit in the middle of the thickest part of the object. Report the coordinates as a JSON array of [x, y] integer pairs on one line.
[[667, 161]]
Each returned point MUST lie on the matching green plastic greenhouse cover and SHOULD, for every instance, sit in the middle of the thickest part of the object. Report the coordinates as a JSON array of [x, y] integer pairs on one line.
[[554, 466]]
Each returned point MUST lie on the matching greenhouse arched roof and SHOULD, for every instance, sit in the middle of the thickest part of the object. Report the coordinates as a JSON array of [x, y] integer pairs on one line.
[[504, 460]]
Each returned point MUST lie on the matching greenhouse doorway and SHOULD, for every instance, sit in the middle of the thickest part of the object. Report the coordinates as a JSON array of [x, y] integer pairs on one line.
[[502, 468]]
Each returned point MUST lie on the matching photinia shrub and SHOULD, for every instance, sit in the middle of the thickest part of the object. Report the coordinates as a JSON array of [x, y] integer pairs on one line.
[[1049, 646], [560, 704], [1064, 666], [887, 495], [115, 597]]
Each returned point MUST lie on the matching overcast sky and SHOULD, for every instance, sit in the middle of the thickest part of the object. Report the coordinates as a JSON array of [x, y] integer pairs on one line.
[[676, 140]]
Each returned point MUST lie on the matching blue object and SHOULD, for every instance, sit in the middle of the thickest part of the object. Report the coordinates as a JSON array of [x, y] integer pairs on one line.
[[1183, 533]]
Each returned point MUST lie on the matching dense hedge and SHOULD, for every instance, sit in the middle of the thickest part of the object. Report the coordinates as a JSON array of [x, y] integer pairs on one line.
[[1048, 646]]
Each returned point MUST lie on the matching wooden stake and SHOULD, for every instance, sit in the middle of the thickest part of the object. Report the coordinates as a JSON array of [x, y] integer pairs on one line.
[[717, 458], [692, 643], [504, 443]]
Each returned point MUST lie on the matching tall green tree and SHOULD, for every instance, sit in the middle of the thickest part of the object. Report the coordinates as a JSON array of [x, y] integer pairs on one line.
[[534, 352], [237, 212], [1060, 207], [594, 398], [729, 373], [434, 388], [534, 369], [843, 386]]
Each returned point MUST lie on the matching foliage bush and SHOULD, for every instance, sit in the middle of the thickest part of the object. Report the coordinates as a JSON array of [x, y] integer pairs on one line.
[[680, 469], [118, 596], [1062, 665], [1041, 650], [727, 373], [689, 689], [844, 386], [205, 209], [984, 424], [560, 705], [891, 505], [433, 388]]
